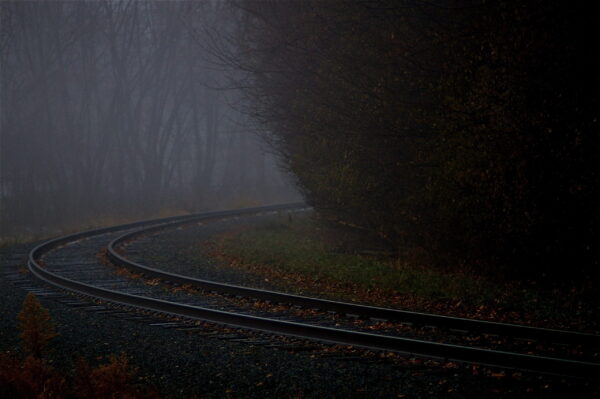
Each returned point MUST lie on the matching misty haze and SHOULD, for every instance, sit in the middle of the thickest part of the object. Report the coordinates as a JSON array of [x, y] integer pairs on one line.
[[118, 110], [299, 199]]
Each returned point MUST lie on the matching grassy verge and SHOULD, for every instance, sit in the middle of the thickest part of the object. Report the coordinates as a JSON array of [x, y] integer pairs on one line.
[[298, 247], [301, 256]]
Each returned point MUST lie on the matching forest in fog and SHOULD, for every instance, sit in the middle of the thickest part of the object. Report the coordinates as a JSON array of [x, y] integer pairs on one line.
[[118, 109], [457, 132], [460, 132]]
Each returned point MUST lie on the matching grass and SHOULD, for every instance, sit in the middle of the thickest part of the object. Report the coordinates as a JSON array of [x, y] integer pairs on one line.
[[303, 256], [304, 247]]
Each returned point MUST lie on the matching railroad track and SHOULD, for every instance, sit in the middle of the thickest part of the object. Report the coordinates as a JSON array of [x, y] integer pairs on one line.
[[70, 263]]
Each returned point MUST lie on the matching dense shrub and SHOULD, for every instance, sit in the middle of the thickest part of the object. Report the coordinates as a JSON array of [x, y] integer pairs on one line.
[[468, 131]]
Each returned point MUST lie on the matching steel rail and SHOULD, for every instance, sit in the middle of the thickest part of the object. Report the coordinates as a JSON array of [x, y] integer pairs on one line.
[[449, 322], [324, 334]]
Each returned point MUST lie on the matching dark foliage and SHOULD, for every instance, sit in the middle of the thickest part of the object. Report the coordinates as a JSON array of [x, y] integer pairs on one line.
[[468, 132], [34, 377], [36, 326]]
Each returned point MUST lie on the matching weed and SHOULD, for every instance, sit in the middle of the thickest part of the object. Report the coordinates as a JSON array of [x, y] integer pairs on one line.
[[107, 381], [31, 378], [34, 378], [36, 326]]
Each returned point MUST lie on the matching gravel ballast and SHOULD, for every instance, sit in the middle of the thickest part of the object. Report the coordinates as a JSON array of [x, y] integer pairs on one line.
[[186, 363]]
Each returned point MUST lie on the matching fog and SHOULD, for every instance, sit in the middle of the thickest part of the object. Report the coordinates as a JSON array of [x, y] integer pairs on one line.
[[121, 109]]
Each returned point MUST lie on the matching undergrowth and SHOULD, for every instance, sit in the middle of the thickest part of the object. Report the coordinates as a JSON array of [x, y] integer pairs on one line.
[[32, 376], [311, 254], [300, 247]]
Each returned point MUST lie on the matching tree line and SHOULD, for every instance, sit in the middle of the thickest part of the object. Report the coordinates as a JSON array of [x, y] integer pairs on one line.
[[462, 132], [114, 108]]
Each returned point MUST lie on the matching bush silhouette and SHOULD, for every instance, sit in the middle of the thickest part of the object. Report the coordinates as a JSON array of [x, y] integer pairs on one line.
[[36, 326]]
